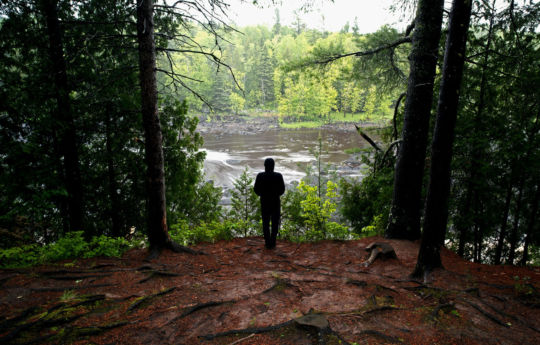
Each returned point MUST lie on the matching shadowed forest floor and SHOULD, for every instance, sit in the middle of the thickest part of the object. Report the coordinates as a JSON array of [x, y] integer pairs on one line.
[[241, 293]]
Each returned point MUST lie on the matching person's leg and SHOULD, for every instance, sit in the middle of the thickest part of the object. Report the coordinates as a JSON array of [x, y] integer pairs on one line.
[[276, 218], [266, 226]]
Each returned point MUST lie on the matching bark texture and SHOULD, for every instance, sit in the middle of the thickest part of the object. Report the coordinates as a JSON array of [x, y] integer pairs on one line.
[[155, 176], [65, 124], [436, 210], [406, 204]]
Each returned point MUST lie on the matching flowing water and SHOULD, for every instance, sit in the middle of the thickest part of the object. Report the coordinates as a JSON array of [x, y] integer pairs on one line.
[[227, 154]]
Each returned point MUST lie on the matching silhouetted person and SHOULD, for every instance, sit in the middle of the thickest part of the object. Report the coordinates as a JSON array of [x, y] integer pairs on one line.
[[269, 186]]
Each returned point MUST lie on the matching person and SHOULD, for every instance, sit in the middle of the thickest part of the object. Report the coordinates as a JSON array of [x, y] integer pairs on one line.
[[269, 186]]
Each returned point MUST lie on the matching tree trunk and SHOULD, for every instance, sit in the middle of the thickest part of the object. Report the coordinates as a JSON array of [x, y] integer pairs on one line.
[[65, 124], [155, 175], [504, 223], [436, 211], [514, 234], [113, 185], [530, 227], [476, 154], [158, 236], [405, 212]]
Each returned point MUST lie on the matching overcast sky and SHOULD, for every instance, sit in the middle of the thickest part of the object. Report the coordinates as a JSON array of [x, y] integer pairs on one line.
[[326, 15]]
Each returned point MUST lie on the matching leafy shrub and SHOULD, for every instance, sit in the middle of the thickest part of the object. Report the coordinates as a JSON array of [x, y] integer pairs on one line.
[[212, 231], [363, 203], [308, 214], [24, 256], [72, 245], [108, 246], [245, 206]]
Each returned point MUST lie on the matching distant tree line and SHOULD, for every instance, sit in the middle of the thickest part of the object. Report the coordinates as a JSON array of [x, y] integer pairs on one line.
[[265, 75]]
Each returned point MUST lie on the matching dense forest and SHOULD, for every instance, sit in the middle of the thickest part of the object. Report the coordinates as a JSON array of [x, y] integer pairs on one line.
[[266, 71], [100, 105]]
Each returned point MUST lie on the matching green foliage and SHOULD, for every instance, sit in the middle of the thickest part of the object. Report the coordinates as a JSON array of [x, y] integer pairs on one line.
[[523, 286], [188, 196], [266, 64], [71, 246], [307, 215], [23, 256], [245, 206], [365, 204], [107, 246], [213, 231]]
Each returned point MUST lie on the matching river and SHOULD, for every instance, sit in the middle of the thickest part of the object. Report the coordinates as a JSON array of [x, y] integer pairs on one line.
[[227, 154]]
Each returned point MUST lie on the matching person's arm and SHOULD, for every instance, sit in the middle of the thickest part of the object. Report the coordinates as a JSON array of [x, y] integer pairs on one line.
[[257, 186], [281, 185]]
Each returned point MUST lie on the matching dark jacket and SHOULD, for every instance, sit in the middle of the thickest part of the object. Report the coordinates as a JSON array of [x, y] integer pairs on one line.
[[269, 185]]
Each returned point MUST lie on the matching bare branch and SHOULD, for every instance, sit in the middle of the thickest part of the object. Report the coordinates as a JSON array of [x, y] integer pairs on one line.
[[394, 119], [362, 53]]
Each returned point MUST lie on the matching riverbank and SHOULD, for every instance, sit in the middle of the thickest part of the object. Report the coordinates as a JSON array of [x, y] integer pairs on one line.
[[251, 125], [234, 143]]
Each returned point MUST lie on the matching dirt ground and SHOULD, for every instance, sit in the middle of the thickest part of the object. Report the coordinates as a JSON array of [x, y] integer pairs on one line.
[[240, 293]]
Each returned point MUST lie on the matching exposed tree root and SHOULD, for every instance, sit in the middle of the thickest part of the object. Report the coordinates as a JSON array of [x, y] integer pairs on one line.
[[76, 287], [241, 340], [171, 245], [382, 287], [446, 307], [80, 277], [5, 324], [279, 285], [487, 315], [515, 318], [58, 314], [159, 274], [89, 300], [359, 283], [256, 330], [5, 279], [138, 303], [382, 308], [383, 336], [197, 307]]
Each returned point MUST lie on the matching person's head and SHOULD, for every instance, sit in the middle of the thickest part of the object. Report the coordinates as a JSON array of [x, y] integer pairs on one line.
[[269, 165]]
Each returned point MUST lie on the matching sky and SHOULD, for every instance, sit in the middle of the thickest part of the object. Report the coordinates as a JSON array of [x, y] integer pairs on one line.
[[327, 15]]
